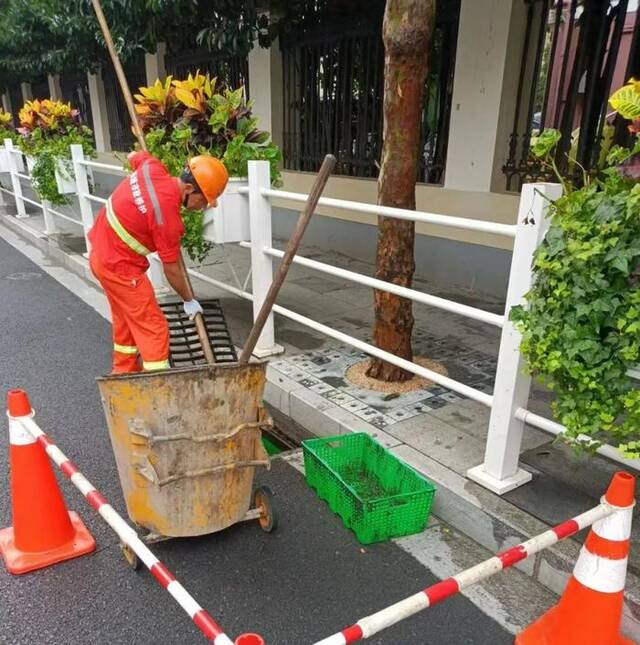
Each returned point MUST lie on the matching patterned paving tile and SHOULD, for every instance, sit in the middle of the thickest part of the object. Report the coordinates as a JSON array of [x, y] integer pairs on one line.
[[323, 372]]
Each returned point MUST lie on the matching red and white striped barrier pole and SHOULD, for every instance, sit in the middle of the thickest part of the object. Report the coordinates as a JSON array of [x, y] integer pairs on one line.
[[367, 627], [207, 625]]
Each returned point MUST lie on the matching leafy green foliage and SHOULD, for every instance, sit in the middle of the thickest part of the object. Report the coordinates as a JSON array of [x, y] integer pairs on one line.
[[50, 153], [51, 36], [581, 328], [193, 241], [185, 118], [239, 152], [545, 142], [47, 130], [181, 119], [7, 131]]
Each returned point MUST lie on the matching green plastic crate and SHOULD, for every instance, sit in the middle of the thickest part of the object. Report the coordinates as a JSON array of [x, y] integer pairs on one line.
[[376, 495]]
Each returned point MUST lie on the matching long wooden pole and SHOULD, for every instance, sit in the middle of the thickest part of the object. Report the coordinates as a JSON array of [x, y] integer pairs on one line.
[[122, 79], [201, 328]]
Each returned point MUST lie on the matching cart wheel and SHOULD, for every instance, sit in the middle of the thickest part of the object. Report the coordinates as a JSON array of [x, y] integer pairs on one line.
[[130, 556], [263, 499]]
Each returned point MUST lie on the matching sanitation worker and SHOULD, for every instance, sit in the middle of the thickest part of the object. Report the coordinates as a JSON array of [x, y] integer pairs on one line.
[[142, 216]]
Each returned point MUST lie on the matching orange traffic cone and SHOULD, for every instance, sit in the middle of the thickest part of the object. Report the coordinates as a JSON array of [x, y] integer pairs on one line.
[[590, 609], [43, 531]]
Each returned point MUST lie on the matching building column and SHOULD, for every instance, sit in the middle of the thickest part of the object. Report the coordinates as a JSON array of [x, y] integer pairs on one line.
[[488, 56], [27, 93], [6, 102], [99, 112], [154, 64], [55, 89], [265, 89]]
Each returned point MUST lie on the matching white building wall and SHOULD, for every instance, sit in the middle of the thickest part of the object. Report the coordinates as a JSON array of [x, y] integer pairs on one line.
[[481, 60]]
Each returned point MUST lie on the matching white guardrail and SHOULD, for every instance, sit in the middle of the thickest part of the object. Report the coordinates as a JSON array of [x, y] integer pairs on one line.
[[500, 470]]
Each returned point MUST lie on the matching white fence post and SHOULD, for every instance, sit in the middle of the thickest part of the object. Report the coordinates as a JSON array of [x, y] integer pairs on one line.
[[261, 263], [500, 472], [49, 223], [15, 180], [83, 188]]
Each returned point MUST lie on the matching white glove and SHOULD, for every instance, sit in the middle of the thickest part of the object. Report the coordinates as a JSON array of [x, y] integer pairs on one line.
[[191, 308]]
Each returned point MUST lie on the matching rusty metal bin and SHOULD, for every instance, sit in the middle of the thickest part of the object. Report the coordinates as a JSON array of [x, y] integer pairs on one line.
[[186, 443]]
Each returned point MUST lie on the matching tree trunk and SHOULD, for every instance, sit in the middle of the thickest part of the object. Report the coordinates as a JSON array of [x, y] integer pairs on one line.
[[407, 32]]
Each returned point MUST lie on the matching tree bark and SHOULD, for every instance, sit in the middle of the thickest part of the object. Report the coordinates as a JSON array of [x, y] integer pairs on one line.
[[407, 33]]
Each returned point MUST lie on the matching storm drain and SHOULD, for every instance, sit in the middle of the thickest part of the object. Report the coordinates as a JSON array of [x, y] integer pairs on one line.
[[184, 346]]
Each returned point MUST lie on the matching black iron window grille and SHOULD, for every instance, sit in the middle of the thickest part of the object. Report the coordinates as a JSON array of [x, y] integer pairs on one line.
[[575, 54], [75, 90], [333, 93], [15, 96], [40, 89], [231, 71], [122, 137]]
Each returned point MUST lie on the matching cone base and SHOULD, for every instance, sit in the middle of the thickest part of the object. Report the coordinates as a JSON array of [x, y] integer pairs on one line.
[[545, 632], [19, 562]]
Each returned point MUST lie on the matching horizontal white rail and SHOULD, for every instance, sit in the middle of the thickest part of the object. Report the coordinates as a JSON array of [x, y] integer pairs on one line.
[[29, 201], [444, 381], [554, 428], [66, 217], [103, 166], [221, 285], [94, 198], [53, 212], [403, 292], [23, 176], [507, 230]]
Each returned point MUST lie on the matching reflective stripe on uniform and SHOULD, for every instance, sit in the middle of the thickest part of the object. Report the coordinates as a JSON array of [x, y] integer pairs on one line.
[[125, 349], [152, 366], [122, 232], [152, 192]]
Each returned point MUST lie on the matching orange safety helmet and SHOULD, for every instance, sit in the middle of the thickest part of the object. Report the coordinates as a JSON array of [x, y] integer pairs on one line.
[[211, 176]]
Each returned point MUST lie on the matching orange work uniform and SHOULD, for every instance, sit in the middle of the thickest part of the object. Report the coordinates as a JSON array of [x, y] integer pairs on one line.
[[141, 216]]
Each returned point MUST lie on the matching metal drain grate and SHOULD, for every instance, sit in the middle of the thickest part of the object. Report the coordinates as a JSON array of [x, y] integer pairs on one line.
[[184, 346]]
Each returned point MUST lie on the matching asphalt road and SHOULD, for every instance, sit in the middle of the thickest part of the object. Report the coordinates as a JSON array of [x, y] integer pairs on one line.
[[303, 582]]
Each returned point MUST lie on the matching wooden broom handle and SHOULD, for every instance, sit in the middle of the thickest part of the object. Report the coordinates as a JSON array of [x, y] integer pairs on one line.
[[292, 248]]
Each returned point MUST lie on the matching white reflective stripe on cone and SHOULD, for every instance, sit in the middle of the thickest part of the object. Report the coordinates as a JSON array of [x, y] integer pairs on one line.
[[616, 526], [600, 574], [18, 436]]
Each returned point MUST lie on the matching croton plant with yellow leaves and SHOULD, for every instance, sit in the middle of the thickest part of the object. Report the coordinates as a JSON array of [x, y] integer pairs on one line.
[[47, 128], [7, 131], [182, 118], [52, 116], [185, 117]]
